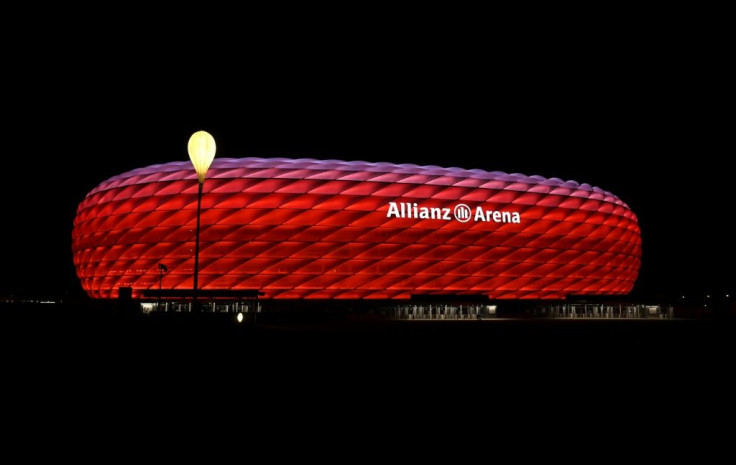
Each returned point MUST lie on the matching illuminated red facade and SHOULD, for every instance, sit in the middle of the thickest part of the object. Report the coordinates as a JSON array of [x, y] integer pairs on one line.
[[330, 229]]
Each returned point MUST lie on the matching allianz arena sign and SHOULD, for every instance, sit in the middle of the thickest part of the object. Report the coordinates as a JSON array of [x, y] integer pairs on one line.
[[459, 212]]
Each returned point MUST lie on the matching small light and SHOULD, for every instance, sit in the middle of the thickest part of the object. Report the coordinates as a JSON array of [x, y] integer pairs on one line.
[[708, 296], [683, 297], [239, 317], [727, 296]]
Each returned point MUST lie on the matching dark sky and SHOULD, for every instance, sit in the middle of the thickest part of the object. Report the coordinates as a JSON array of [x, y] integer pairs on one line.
[[644, 117]]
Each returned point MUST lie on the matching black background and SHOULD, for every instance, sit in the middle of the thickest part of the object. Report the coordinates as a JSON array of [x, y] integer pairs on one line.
[[636, 101], [635, 104]]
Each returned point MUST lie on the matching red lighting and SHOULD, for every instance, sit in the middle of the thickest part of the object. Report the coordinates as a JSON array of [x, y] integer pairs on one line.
[[322, 229]]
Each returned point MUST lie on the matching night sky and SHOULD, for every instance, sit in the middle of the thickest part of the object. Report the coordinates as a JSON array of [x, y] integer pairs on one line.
[[644, 119]]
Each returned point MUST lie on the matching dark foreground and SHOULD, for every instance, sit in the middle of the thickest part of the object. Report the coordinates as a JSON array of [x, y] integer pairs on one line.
[[147, 376], [310, 350]]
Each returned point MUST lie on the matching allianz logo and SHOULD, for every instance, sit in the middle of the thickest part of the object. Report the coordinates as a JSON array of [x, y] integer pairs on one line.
[[459, 212]]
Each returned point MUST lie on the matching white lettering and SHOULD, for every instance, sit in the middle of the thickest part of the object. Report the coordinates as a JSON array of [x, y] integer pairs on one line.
[[393, 210], [462, 213]]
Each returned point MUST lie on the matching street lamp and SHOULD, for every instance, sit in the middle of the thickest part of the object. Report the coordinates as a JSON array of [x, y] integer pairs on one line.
[[201, 150], [161, 268]]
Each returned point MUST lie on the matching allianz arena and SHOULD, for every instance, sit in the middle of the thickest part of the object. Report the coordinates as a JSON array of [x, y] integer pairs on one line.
[[331, 229]]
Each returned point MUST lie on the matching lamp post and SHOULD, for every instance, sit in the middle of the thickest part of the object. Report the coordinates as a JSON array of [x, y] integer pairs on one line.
[[201, 148], [161, 269]]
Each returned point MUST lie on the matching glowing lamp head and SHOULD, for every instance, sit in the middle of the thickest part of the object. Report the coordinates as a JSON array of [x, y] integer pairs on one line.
[[201, 149]]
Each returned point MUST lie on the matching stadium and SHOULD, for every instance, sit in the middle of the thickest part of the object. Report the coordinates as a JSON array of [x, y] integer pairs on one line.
[[333, 230]]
